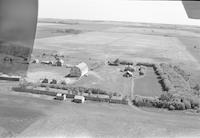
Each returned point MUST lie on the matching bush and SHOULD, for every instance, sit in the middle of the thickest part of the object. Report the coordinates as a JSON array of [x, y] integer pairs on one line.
[[164, 76], [63, 83], [53, 81], [166, 84], [187, 104], [182, 73], [45, 80], [179, 105], [166, 96], [165, 104], [159, 71], [124, 62], [138, 101], [171, 107], [145, 101], [194, 101]]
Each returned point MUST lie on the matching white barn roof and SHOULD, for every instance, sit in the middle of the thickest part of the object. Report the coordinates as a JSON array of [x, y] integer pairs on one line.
[[79, 70]]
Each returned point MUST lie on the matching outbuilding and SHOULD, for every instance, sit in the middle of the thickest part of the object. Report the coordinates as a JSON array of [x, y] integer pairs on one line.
[[60, 96], [128, 74], [36, 61], [79, 70], [47, 62], [79, 99], [59, 62]]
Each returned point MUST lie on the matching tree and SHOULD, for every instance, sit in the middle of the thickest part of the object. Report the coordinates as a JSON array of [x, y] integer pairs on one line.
[[197, 88]]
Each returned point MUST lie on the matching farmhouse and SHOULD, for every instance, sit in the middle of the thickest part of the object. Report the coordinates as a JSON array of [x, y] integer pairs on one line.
[[79, 70]]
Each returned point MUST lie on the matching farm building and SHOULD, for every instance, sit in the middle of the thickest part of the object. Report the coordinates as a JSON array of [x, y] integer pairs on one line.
[[79, 99], [60, 96], [79, 70], [10, 78], [128, 74], [59, 62], [47, 62], [36, 61]]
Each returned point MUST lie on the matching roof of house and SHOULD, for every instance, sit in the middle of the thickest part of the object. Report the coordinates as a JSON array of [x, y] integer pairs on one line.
[[79, 97], [82, 65]]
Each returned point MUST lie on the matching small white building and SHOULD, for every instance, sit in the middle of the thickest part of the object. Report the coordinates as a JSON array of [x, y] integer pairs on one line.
[[79, 99], [79, 70], [60, 96]]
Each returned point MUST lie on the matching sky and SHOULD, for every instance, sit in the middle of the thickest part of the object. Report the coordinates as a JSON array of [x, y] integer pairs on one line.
[[168, 12]]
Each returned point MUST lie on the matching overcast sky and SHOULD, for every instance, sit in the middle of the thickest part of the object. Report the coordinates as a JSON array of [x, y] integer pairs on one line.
[[170, 12]]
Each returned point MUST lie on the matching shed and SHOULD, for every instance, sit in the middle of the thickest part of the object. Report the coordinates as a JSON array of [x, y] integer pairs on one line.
[[79, 70], [60, 96], [47, 62], [59, 62], [79, 99], [36, 61]]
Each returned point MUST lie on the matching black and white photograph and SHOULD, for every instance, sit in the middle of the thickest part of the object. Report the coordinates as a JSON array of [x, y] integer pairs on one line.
[[99, 69]]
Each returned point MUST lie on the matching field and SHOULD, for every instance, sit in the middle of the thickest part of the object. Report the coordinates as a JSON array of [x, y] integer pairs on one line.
[[96, 42], [148, 85], [99, 42], [23, 115]]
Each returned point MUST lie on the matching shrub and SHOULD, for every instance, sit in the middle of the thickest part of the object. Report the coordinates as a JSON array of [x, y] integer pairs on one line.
[[159, 71], [138, 101], [45, 80], [194, 101], [145, 101], [53, 81], [164, 76], [63, 83], [148, 102], [167, 84], [171, 107], [166, 96], [165, 104], [182, 73], [159, 104], [179, 106], [131, 69], [187, 104], [124, 62]]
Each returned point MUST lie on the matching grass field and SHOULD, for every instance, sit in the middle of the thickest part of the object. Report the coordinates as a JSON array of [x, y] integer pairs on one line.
[[148, 85], [27, 115]]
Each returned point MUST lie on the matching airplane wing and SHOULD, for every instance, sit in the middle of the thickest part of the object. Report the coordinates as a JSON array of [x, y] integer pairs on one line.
[[192, 9], [18, 20]]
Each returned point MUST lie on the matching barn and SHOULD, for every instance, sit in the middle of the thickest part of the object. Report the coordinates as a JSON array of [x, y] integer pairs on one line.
[[79, 70]]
